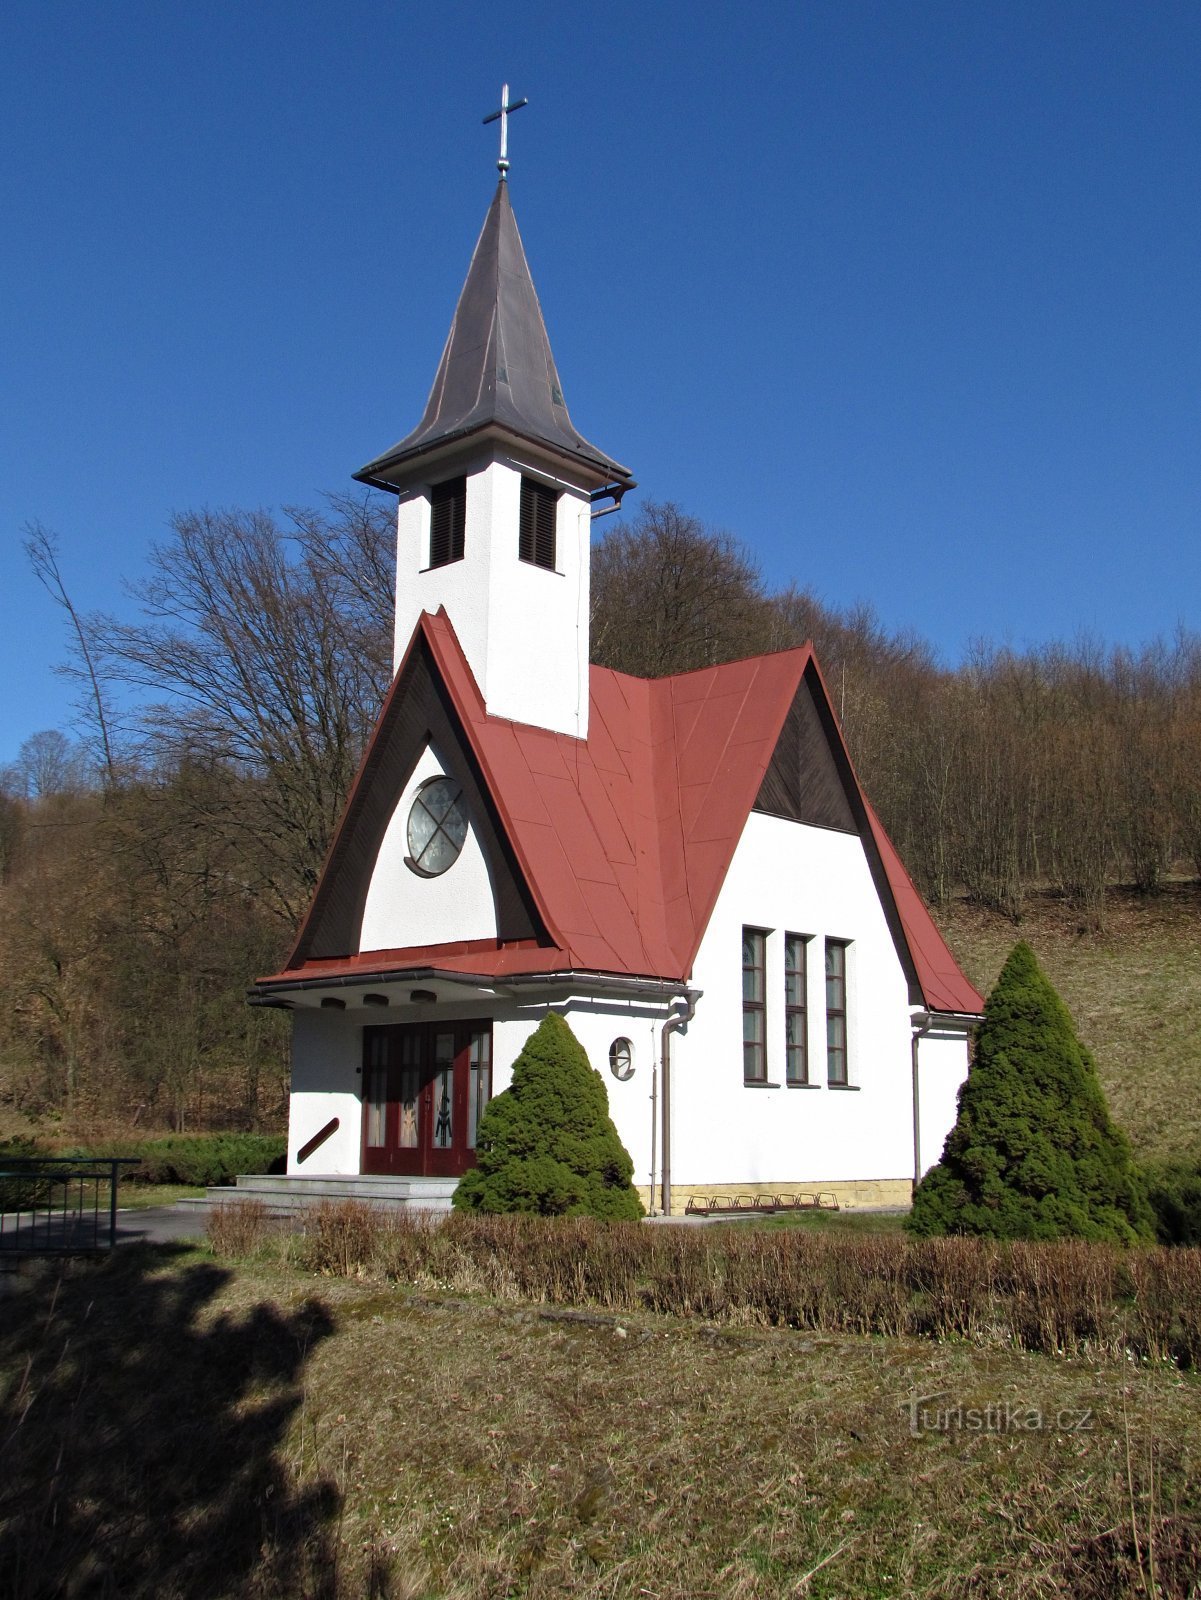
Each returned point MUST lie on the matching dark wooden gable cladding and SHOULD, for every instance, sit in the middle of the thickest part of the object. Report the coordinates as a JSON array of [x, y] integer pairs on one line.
[[419, 713], [810, 779], [802, 781]]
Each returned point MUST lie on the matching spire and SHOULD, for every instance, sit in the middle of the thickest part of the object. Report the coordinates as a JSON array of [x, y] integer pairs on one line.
[[497, 370]]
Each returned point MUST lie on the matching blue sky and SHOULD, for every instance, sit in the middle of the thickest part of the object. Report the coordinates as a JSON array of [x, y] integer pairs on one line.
[[903, 295]]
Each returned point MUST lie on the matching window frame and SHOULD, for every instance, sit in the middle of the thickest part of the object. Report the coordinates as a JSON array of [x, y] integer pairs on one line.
[[797, 1007], [836, 1011], [755, 1007]]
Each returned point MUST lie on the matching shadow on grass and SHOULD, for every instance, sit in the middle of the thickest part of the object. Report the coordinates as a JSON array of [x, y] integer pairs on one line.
[[141, 1434]]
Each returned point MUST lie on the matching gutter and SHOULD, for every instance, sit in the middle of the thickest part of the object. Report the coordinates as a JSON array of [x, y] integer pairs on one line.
[[924, 1021], [680, 1019], [276, 994]]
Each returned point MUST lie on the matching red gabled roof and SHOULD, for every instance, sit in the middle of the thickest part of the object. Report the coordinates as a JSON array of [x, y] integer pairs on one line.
[[624, 839]]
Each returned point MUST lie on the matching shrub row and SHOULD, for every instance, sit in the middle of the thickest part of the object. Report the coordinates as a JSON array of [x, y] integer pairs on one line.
[[1059, 1298], [202, 1159], [198, 1159]]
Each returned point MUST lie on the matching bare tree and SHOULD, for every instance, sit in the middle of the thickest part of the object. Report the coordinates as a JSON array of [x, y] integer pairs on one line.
[[268, 652], [48, 763], [670, 595], [42, 549]]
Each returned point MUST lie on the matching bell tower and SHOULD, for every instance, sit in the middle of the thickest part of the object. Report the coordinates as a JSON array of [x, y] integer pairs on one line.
[[495, 491]]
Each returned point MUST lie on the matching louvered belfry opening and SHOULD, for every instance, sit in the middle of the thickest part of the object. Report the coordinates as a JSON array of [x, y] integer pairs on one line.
[[448, 521], [537, 542]]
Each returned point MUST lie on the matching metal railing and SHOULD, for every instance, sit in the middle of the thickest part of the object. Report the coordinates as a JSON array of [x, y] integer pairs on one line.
[[64, 1205]]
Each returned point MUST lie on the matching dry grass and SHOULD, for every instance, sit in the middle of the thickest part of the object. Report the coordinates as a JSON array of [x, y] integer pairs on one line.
[[374, 1441], [1134, 992], [1064, 1298]]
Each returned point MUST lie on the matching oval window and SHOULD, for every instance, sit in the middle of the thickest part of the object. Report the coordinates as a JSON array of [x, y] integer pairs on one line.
[[437, 827], [621, 1059]]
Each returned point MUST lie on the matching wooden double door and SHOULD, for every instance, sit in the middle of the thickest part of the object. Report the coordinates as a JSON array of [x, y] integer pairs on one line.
[[424, 1087]]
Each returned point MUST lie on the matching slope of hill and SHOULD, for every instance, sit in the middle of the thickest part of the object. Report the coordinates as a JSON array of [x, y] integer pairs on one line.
[[1134, 992]]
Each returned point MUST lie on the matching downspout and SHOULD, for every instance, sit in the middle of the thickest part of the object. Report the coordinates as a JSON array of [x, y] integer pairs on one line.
[[679, 1019], [654, 1130], [926, 1023]]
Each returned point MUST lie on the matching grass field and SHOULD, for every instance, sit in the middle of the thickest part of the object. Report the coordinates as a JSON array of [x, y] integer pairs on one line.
[[173, 1427], [139, 1196], [1134, 992]]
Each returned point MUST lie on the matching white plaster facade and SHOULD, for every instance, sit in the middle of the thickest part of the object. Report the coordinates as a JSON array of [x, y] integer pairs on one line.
[[459, 904], [785, 877], [523, 629]]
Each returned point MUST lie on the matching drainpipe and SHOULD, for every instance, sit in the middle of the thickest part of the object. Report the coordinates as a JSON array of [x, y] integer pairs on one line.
[[654, 1130], [678, 1020], [922, 1022]]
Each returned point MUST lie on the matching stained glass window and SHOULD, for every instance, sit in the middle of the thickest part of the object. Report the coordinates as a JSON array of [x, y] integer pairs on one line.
[[443, 1086], [480, 1088]]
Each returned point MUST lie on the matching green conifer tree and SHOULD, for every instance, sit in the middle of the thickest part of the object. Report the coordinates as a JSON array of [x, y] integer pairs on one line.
[[548, 1144], [1033, 1154]]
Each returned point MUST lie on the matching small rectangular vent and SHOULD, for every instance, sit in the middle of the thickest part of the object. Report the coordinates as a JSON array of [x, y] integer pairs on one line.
[[538, 511], [448, 521]]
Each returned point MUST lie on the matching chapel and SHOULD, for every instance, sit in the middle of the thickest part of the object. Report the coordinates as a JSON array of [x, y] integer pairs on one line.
[[686, 868]]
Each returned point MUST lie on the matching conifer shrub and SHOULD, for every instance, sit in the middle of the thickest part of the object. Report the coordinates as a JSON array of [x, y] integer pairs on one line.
[[547, 1144], [197, 1159], [1174, 1190], [1033, 1154]]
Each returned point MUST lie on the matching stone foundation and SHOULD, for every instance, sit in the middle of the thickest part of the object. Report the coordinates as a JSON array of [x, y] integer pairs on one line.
[[852, 1194]]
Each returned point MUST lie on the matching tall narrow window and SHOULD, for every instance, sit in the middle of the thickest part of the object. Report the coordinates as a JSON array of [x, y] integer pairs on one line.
[[796, 1051], [480, 1085], [754, 1056], [377, 1089], [836, 1011], [448, 521], [538, 509], [443, 1090]]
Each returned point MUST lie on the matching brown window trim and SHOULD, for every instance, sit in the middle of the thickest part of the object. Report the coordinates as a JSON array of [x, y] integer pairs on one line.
[[755, 1007], [799, 1009], [841, 1081]]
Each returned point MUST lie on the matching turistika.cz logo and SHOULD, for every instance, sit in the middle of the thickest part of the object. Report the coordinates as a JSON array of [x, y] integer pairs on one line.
[[927, 1414]]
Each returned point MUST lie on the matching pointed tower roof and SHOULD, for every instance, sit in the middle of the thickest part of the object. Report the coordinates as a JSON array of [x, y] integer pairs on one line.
[[497, 370]]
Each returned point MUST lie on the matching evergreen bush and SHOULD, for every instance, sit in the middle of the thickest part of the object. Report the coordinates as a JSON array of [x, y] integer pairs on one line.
[[1033, 1154], [1174, 1190], [198, 1159], [548, 1144]]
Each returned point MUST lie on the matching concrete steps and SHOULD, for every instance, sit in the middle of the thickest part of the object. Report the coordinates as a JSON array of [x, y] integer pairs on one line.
[[289, 1194]]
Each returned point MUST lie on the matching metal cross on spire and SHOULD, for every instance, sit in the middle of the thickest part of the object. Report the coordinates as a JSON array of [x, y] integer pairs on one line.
[[502, 166]]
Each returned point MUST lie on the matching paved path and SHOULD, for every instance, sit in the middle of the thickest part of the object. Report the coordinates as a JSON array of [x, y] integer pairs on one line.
[[161, 1224]]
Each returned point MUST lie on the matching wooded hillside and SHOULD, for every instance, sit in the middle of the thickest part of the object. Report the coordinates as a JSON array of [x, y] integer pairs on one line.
[[149, 871]]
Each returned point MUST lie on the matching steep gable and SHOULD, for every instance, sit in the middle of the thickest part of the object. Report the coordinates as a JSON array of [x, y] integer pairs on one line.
[[803, 781], [417, 713], [610, 852]]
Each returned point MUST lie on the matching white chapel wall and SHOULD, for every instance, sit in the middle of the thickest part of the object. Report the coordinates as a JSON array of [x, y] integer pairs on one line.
[[327, 1053], [537, 668], [523, 629], [404, 908], [787, 877], [942, 1067]]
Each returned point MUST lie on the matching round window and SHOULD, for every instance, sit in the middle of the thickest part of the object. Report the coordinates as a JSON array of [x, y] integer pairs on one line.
[[437, 827], [621, 1059]]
